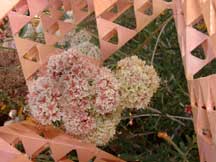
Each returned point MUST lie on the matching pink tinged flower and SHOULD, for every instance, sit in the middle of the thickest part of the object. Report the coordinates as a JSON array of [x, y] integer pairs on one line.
[[55, 94], [51, 107], [42, 99], [75, 88], [78, 123]]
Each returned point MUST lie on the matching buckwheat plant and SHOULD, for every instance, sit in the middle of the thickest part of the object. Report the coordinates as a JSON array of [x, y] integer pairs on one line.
[[78, 94], [138, 82]]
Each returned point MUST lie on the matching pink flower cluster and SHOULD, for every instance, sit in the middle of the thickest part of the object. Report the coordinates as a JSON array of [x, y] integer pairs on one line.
[[106, 88], [73, 91], [43, 99]]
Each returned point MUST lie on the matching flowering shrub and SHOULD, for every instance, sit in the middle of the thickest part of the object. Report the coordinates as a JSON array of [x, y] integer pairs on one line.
[[76, 93], [138, 82]]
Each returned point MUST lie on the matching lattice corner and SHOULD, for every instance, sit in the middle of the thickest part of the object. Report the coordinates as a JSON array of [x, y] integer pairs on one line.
[[105, 20]]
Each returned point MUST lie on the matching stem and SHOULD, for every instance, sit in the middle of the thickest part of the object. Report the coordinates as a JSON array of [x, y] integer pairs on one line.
[[158, 113], [172, 117], [168, 115], [167, 138], [170, 141], [158, 39]]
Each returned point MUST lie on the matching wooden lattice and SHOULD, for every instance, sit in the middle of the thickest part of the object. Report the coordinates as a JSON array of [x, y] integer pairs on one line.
[[106, 27], [188, 13], [37, 139], [54, 28]]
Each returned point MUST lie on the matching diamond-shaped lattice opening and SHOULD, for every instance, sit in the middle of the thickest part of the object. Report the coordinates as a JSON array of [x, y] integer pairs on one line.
[[73, 156], [32, 54], [33, 31], [111, 12], [200, 25], [61, 8], [27, 12], [68, 16], [147, 8], [199, 52], [20, 5], [207, 133], [205, 127], [112, 37], [42, 134], [127, 19], [45, 155], [67, 13], [19, 146], [207, 70], [114, 9], [93, 159], [54, 29], [84, 7]]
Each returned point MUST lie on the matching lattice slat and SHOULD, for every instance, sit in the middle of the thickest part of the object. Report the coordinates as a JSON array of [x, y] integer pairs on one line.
[[105, 18], [60, 144], [202, 90]]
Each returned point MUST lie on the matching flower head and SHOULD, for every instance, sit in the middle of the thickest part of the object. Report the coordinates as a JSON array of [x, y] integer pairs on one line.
[[138, 82], [75, 92], [43, 100]]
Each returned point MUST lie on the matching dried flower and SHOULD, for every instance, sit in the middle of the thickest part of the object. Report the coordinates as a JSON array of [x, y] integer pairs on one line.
[[107, 96], [76, 92], [78, 122], [88, 49], [42, 99], [105, 128], [138, 82], [80, 41]]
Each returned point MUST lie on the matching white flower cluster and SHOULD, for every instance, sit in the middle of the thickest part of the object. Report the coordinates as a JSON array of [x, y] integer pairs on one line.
[[138, 82], [80, 41]]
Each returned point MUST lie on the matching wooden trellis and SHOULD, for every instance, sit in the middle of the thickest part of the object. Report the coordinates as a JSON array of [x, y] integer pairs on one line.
[[202, 90], [37, 139]]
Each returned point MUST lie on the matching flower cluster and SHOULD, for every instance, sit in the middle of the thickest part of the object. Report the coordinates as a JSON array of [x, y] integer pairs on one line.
[[88, 100], [43, 99], [105, 128], [75, 92], [80, 41], [138, 82]]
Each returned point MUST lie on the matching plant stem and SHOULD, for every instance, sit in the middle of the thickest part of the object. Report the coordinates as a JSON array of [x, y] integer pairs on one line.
[[158, 39], [167, 138]]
